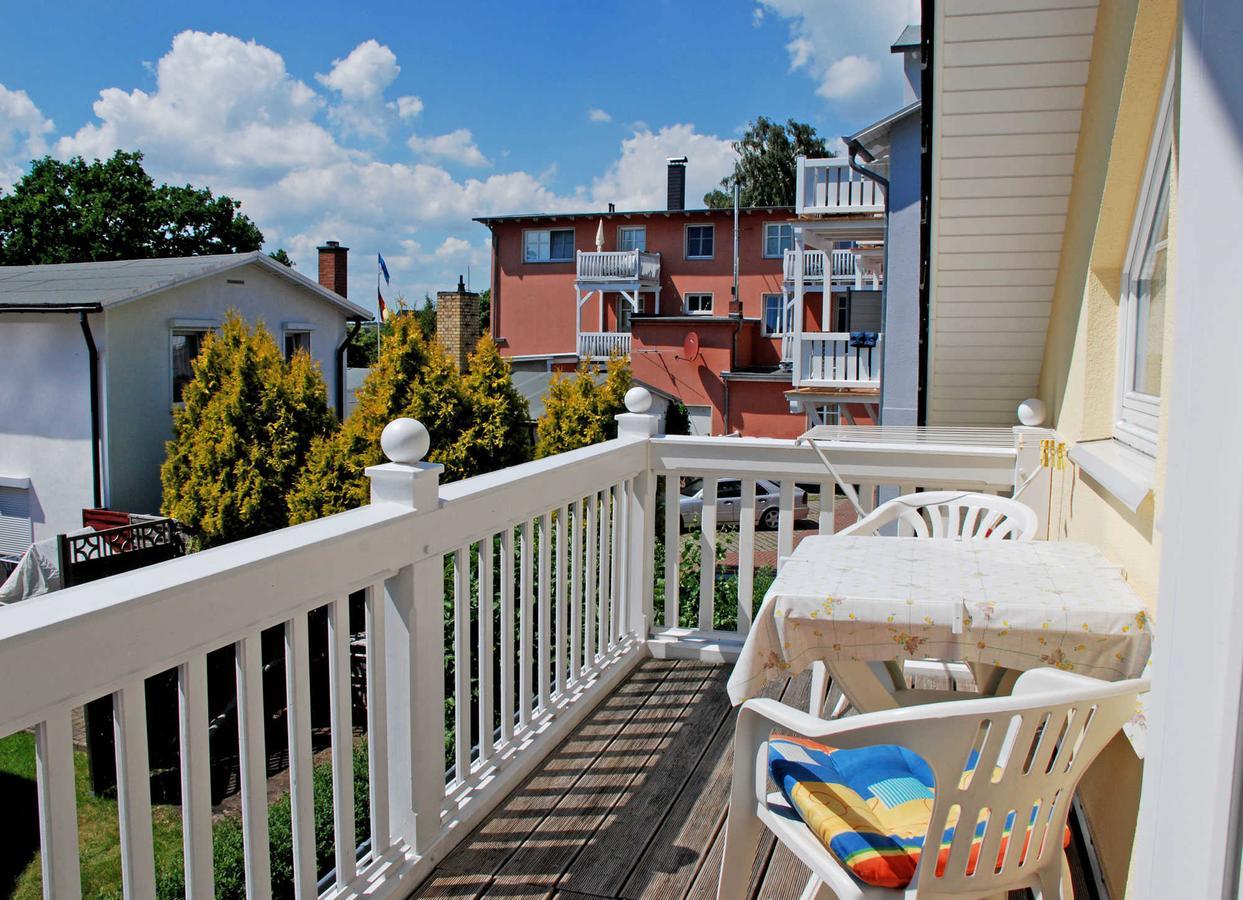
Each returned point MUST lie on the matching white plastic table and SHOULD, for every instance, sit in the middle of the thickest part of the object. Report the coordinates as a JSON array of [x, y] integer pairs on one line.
[[850, 601]]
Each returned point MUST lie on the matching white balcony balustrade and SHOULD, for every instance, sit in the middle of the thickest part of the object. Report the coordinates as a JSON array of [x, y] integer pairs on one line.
[[602, 345], [832, 359], [842, 267], [623, 266], [548, 568], [828, 186]]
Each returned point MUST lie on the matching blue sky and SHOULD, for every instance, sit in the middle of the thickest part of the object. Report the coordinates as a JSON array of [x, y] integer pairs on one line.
[[387, 126]]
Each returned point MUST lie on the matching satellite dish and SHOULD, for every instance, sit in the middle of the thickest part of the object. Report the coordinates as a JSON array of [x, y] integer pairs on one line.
[[690, 345]]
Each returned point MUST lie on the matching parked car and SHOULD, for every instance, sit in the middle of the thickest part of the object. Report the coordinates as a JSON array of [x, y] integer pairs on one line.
[[729, 502]]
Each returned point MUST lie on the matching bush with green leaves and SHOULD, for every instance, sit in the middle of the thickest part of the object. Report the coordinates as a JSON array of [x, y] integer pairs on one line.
[[242, 435], [578, 411]]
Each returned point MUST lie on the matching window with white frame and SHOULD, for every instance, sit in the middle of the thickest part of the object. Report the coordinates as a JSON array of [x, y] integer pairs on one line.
[[1142, 312], [16, 527], [778, 238], [632, 237], [548, 245], [777, 315], [186, 344], [700, 241], [699, 304]]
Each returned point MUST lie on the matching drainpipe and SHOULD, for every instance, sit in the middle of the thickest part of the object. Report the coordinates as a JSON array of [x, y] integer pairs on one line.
[[355, 324], [856, 149], [92, 356], [735, 313]]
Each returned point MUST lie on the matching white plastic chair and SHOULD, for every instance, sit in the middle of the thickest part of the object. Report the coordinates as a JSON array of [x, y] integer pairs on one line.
[[948, 515], [1042, 739], [953, 515]]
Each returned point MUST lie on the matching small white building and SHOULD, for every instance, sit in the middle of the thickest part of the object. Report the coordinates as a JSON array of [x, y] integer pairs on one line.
[[93, 357]]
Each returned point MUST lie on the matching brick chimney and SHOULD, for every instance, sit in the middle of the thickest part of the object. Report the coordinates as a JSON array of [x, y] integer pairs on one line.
[[333, 267], [677, 183], [457, 322]]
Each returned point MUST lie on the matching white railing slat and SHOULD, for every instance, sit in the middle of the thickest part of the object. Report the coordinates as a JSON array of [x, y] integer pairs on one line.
[[298, 721], [196, 777], [827, 520], [129, 719], [621, 508], [487, 711], [377, 721], [562, 626], [576, 590], [590, 583], [507, 635], [341, 722], [461, 663], [605, 571], [543, 674], [746, 554], [673, 533], [252, 764], [785, 521], [707, 556], [58, 806], [525, 612]]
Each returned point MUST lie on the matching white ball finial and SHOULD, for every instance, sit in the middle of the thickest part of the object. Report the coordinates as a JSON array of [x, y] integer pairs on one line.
[[1032, 412], [638, 399], [405, 440]]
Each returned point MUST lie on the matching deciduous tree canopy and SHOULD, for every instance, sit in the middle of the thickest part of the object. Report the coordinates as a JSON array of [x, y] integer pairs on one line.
[[579, 412], [765, 170], [77, 211]]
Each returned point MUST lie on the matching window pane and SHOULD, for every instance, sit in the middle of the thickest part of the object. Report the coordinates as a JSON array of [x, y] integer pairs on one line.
[[186, 346], [1150, 302], [295, 341], [699, 240], [632, 239], [561, 245]]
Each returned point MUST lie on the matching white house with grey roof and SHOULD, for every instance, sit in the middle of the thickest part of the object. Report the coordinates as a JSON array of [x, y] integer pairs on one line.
[[93, 357]]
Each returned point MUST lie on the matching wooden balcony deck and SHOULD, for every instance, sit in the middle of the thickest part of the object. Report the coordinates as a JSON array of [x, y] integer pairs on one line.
[[631, 805]]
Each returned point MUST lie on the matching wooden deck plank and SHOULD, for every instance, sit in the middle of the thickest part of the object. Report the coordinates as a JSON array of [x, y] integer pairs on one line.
[[673, 858], [550, 849], [483, 853], [605, 864]]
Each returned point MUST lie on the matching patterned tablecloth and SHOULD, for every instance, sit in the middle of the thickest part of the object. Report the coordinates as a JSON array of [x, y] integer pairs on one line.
[[1020, 605]]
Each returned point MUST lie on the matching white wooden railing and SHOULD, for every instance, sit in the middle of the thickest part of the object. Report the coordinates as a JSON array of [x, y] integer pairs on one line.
[[831, 186], [829, 360], [617, 265], [844, 266], [603, 344], [534, 586]]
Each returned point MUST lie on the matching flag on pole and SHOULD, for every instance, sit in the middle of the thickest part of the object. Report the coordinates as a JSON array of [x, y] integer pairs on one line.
[[382, 271]]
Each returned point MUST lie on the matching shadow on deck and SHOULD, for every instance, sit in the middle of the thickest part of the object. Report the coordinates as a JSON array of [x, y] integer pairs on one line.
[[631, 805]]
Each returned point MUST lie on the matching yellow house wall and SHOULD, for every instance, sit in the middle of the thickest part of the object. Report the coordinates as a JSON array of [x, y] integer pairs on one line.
[[1079, 370]]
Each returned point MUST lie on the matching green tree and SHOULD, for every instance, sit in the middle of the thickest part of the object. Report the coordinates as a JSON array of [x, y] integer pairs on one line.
[[485, 310], [242, 436], [765, 169], [499, 431], [426, 314], [76, 211], [578, 411], [412, 377], [282, 257]]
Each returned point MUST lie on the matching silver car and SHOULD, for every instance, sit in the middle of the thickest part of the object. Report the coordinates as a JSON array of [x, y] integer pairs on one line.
[[729, 502]]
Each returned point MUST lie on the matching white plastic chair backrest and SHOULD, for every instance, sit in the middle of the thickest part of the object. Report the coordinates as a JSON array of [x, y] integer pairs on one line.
[[1031, 750], [953, 514]]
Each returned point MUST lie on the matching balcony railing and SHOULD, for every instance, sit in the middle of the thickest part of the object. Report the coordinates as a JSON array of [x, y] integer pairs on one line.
[[601, 345], [618, 265], [516, 600], [844, 266], [834, 360], [825, 186]]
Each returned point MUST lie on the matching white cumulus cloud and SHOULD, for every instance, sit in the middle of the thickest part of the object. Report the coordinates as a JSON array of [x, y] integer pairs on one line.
[[595, 114], [637, 179], [845, 49], [360, 80], [456, 146], [23, 133], [409, 107]]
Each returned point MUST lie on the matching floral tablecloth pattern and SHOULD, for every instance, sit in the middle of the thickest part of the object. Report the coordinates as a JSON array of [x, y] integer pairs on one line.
[[1021, 605]]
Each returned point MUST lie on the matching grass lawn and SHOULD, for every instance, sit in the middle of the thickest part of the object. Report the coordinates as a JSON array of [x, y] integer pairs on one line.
[[99, 839]]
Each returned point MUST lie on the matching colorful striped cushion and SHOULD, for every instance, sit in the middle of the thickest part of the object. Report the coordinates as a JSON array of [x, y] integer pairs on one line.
[[870, 807]]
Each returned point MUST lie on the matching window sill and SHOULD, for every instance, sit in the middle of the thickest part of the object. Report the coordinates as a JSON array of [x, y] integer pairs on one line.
[[1126, 473], [545, 262]]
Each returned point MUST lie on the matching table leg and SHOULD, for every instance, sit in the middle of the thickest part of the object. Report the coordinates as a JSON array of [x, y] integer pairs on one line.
[[865, 690]]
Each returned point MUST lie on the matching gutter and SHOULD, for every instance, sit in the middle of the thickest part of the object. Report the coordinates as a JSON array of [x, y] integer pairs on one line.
[[356, 324], [92, 356]]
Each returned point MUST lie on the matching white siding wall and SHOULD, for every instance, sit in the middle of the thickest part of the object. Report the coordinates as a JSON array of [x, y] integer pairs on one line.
[[138, 365], [1010, 78], [45, 424]]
